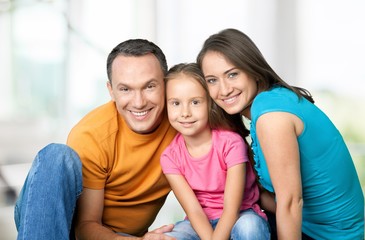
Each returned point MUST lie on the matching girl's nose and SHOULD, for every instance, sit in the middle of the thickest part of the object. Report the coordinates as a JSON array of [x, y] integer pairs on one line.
[[185, 111]]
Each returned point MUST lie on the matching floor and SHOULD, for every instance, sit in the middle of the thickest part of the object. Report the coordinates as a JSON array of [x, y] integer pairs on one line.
[[15, 175]]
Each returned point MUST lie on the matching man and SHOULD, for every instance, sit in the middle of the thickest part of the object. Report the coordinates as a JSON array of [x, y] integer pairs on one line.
[[119, 144]]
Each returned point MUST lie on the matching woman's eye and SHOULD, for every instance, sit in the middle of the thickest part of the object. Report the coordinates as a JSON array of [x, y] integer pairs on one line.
[[211, 80], [232, 75]]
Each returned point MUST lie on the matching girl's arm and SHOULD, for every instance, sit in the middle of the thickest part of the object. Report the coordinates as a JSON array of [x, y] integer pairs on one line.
[[191, 206], [277, 133], [233, 195]]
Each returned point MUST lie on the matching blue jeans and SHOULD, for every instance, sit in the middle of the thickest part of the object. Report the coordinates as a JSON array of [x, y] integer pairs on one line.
[[249, 226], [47, 201]]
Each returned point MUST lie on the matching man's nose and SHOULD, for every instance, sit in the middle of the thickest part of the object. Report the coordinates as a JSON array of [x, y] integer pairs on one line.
[[139, 99]]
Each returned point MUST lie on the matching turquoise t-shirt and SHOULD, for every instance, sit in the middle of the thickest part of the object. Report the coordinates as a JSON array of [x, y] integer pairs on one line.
[[333, 202]]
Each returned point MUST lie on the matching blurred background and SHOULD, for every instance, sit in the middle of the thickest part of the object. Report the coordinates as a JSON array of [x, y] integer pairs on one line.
[[53, 64]]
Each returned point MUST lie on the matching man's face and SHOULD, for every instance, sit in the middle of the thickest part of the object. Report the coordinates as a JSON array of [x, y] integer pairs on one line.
[[138, 90]]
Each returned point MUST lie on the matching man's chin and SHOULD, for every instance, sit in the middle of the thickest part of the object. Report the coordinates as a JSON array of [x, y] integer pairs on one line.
[[144, 127]]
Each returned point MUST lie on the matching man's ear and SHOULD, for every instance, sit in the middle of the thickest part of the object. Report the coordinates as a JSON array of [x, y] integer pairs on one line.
[[110, 89]]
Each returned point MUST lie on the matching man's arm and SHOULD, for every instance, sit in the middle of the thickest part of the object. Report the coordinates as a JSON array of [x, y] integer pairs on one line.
[[90, 208], [89, 225]]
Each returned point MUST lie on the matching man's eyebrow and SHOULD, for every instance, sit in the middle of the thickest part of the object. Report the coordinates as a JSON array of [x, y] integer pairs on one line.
[[152, 81], [144, 85]]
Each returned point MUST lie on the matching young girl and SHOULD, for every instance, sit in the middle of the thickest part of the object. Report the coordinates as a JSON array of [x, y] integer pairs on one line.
[[207, 164]]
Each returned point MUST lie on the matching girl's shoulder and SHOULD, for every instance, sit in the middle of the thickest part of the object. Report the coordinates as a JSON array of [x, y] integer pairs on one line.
[[224, 134], [224, 138]]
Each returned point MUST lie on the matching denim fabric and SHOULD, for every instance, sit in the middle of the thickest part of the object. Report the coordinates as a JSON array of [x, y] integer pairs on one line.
[[47, 201], [249, 226]]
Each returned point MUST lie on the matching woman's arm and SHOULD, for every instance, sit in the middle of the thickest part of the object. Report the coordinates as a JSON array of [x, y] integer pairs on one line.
[[191, 206], [267, 200], [233, 195], [277, 133]]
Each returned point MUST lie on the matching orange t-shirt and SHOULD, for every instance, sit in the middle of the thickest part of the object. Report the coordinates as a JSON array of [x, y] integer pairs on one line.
[[125, 164]]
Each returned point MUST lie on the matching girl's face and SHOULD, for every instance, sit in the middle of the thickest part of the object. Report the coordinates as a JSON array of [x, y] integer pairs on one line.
[[231, 88], [187, 105]]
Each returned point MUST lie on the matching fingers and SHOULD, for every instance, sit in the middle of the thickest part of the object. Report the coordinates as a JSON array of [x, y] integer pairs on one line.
[[157, 236], [163, 229]]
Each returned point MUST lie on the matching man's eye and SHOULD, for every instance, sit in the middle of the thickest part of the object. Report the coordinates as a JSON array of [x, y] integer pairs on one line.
[[123, 89], [150, 86]]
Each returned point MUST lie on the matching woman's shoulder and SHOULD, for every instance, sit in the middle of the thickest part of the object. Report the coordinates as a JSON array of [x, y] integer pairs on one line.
[[274, 99], [275, 93]]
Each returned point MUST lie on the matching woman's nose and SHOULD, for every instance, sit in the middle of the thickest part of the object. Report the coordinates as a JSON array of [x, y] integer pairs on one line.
[[225, 88]]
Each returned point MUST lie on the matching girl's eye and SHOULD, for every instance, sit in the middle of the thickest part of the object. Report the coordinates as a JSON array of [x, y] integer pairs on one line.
[[195, 102], [175, 103]]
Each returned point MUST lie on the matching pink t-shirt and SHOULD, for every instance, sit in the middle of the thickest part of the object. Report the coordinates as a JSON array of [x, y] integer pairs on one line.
[[207, 175]]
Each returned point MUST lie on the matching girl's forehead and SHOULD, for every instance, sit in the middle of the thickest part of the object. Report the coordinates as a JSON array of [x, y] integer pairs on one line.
[[185, 85]]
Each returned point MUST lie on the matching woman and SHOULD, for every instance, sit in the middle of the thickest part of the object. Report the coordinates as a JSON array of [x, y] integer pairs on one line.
[[300, 156]]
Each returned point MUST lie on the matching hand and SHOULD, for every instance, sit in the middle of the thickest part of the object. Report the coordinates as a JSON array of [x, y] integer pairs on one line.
[[267, 200], [158, 234]]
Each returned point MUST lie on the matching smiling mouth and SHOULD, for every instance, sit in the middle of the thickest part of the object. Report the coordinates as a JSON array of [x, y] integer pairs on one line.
[[186, 123], [230, 100], [139, 114]]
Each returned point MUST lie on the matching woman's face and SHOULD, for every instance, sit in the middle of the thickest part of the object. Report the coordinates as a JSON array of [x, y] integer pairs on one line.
[[231, 88]]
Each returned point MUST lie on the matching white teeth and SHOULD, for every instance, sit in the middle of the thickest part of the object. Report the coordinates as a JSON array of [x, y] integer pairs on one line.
[[140, 114], [229, 100]]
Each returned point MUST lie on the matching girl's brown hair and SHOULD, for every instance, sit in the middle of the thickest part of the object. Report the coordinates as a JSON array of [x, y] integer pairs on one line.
[[218, 118]]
